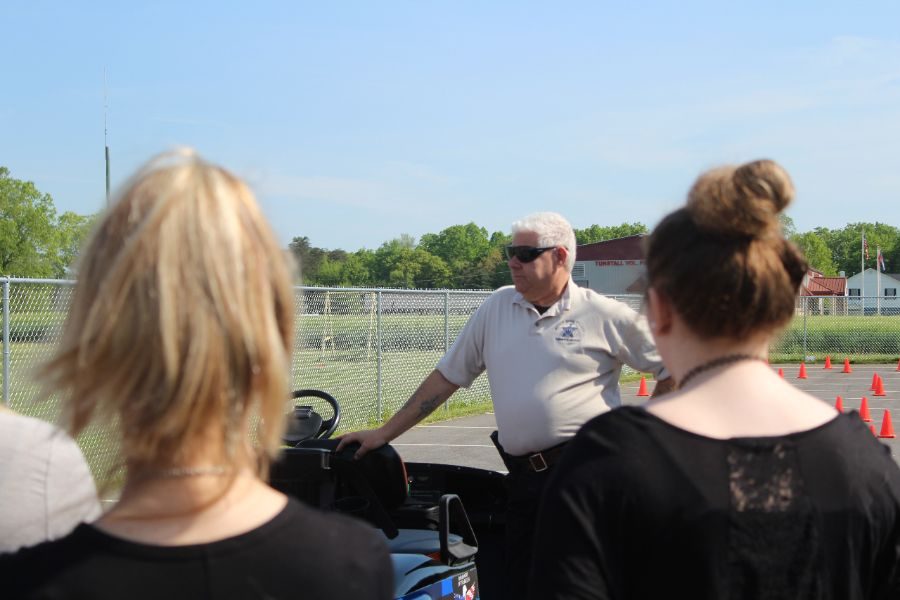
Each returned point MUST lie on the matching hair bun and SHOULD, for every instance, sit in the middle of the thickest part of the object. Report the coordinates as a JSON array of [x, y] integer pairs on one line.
[[741, 201]]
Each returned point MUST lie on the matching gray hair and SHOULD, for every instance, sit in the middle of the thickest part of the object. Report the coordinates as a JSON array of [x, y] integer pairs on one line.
[[552, 229]]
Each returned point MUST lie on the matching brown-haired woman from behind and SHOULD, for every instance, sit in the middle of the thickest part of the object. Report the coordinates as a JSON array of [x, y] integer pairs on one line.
[[179, 339], [738, 485]]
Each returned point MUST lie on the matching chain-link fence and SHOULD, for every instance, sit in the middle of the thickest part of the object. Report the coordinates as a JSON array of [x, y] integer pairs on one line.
[[33, 312], [371, 348], [860, 328]]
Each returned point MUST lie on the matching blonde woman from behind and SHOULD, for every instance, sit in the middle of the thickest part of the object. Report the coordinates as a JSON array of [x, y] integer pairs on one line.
[[178, 339]]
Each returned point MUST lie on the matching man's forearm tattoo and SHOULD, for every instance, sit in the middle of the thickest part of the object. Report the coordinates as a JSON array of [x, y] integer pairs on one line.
[[426, 407]]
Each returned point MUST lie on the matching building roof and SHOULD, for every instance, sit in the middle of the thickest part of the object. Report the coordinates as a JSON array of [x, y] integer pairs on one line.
[[856, 276], [626, 248], [824, 286]]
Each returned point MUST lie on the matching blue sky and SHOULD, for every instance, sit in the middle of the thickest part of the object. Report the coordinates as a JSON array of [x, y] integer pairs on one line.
[[355, 122]]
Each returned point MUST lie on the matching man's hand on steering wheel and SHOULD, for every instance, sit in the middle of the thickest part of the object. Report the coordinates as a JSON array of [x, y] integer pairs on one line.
[[368, 439]]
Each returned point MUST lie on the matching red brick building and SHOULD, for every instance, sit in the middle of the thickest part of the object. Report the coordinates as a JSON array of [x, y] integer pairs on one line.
[[612, 266]]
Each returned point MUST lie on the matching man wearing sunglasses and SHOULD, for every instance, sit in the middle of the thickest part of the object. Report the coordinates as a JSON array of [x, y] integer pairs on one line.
[[553, 352]]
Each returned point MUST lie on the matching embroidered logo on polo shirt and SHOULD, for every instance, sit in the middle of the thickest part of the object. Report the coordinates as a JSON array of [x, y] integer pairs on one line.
[[568, 332]]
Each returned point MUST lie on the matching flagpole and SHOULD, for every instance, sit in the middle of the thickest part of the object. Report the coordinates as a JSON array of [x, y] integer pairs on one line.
[[878, 278], [862, 272]]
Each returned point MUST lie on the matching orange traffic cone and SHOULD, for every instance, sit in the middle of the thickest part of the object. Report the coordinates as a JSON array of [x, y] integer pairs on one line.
[[839, 404], [847, 368], [802, 373], [887, 428], [874, 385], [864, 413], [879, 388], [827, 362], [642, 389], [898, 365], [781, 372]]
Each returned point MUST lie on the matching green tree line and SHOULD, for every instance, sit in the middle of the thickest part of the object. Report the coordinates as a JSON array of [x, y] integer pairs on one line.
[[469, 257], [36, 242], [458, 257], [834, 250]]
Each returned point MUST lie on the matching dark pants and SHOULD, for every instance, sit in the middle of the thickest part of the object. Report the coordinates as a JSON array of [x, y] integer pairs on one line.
[[524, 488]]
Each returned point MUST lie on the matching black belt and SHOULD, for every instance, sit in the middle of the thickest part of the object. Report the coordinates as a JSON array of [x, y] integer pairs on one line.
[[537, 462]]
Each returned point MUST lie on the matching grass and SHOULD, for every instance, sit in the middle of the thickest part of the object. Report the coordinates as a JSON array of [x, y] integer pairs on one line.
[[867, 339], [798, 357], [450, 410]]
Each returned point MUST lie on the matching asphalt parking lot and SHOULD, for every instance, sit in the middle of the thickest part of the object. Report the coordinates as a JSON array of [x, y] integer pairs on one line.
[[465, 441]]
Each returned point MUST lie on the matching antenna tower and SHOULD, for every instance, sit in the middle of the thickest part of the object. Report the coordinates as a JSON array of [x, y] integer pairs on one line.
[[105, 145]]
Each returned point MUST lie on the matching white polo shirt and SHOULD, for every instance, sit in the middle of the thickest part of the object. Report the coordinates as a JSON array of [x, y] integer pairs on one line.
[[550, 373]]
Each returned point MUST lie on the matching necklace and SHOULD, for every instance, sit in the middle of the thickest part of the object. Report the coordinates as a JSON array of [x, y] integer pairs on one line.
[[190, 471], [716, 362]]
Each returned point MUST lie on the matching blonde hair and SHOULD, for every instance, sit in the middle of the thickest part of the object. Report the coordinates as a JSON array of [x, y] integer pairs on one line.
[[181, 322]]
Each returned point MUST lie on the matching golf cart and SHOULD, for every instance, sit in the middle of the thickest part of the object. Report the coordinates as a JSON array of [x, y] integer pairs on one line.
[[443, 523]]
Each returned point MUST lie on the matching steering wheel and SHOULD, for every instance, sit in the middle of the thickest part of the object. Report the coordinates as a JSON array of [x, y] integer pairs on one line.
[[304, 423]]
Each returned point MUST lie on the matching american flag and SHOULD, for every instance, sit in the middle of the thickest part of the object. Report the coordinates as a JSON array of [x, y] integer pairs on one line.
[[880, 261]]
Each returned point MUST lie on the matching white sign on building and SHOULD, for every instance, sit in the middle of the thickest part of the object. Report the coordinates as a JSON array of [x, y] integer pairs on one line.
[[612, 267]]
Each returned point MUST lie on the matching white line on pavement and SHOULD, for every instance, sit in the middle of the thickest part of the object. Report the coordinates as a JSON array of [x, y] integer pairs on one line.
[[448, 445], [456, 426]]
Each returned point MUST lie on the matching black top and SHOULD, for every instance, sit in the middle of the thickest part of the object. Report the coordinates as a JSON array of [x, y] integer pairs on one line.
[[301, 553], [638, 508]]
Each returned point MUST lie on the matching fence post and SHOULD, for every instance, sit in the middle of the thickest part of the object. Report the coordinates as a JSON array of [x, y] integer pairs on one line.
[[6, 341], [447, 335], [378, 341], [805, 310]]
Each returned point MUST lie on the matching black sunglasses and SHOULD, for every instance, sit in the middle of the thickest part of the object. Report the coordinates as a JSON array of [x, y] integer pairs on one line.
[[526, 254]]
